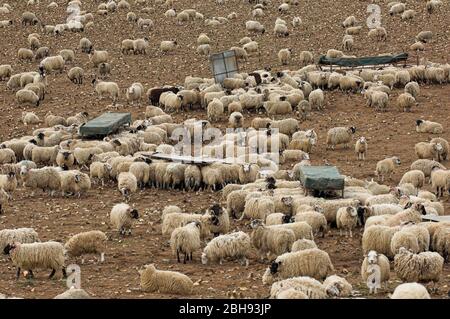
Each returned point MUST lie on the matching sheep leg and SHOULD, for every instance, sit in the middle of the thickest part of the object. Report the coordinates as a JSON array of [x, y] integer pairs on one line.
[[52, 273], [102, 257], [18, 273], [190, 256], [185, 257], [30, 274], [64, 273], [178, 255], [340, 232], [351, 235]]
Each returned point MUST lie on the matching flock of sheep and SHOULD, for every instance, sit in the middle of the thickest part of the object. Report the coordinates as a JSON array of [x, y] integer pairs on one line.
[[284, 219]]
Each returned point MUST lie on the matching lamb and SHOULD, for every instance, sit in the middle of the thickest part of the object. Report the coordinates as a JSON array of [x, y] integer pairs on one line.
[[346, 218], [135, 93], [316, 99], [425, 266], [378, 238], [415, 177], [312, 262], [271, 240], [26, 96], [90, 242], [76, 75], [171, 282], [185, 240], [122, 218], [423, 126], [339, 135], [411, 290], [46, 255], [373, 258], [361, 148], [386, 167], [127, 184], [425, 150], [106, 88], [19, 235], [406, 101], [234, 246]]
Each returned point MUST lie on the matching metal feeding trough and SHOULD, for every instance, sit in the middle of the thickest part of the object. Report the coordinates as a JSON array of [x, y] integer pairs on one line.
[[105, 124], [224, 65], [321, 178]]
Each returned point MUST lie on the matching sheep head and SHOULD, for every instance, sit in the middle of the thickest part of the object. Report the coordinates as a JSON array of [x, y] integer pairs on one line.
[[372, 257], [8, 248], [133, 213], [352, 211], [274, 267]]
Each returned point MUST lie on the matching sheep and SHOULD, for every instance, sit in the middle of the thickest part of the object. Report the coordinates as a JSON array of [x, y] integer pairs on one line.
[[361, 148], [135, 93], [386, 167], [301, 288], [425, 266], [5, 72], [443, 155], [410, 290], [378, 34], [44, 255], [258, 208], [248, 173], [404, 239], [302, 244], [168, 46], [127, 184], [417, 46], [254, 26], [25, 54], [432, 6], [339, 135], [100, 170], [76, 75], [316, 220], [306, 58], [397, 8], [378, 238], [271, 240], [96, 57], [424, 36], [440, 181], [280, 30], [170, 282], [347, 42], [41, 53], [67, 55], [413, 89], [233, 246], [406, 101], [415, 177], [30, 118], [104, 70], [316, 99], [346, 218], [426, 166], [29, 18], [339, 284], [90, 242], [106, 88], [373, 258], [26, 96], [74, 182], [312, 262], [52, 63], [83, 156], [425, 150], [185, 240], [19, 235], [122, 218], [174, 220], [65, 159], [423, 126]]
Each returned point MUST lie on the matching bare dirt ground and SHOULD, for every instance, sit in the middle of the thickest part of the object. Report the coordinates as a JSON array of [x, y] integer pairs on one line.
[[388, 134]]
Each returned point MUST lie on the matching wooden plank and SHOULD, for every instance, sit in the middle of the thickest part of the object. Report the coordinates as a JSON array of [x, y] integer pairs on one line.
[[434, 218]]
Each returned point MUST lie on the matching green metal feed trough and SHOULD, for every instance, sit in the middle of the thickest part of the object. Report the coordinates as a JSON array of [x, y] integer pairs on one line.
[[105, 124], [321, 178]]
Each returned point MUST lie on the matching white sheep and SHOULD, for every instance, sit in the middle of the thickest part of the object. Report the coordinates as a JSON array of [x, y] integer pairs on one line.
[[122, 218], [386, 167], [215, 110], [426, 150], [373, 258], [410, 290], [170, 282], [135, 93], [76, 75], [423, 126], [106, 88], [168, 46], [90, 242], [425, 266], [20, 235], [44, 255], [339, 135], [26, 96], [312, 262], [346, 218], [316, 99], [361, 148], [234, 245], [185, 240]]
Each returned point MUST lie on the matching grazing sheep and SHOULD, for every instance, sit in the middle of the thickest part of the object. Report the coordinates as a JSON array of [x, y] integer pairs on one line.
[[19, 235], [90, 242], [316, 220], [5, 72], [440, 181], [96, 57], [361, 148], [413, 89], [44, 255], [52, 63], [168, 46], [25, 54], [85, 45], [127, 184], [30, 118], [386, 167], [67, 55], [160, 281], [26, 96], [423, 126], [424, 267], [410, 290], [228, 246], [339, 135], [433, 5], [406, 101], [312, 262], [122, 218], [76, 75], [424, 36]]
